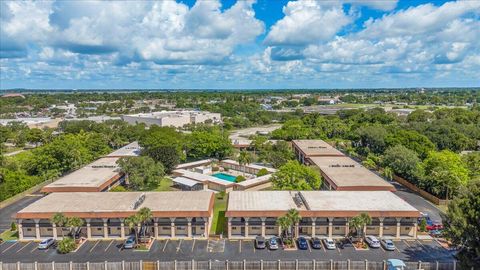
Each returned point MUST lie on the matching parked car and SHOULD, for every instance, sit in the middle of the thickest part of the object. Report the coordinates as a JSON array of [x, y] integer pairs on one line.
[[129, 243], [387, 244], [372, 241], [302, 243], [273, 243], [436, 233], [395, 264], [345, 243], [329, 243], [260, 242], [316, 243], [46, 243], [435, 226]]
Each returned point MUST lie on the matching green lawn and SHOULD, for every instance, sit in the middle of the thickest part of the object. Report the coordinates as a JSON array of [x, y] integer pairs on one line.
[[9, 235], [219, 220], [165, 185]]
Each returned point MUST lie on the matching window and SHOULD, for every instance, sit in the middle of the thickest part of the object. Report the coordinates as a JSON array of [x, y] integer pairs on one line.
[[270, 228], [337, 228], [49, 230], [165, 228], [407, 228], [29, 230], [99, 229], [234, 228], [255, 228]]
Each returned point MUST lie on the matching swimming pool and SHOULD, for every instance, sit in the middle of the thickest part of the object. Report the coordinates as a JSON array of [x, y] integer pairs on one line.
[[224, 176]]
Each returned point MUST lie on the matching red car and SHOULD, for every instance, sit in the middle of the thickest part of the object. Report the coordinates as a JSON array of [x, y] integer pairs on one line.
[[435, 226]]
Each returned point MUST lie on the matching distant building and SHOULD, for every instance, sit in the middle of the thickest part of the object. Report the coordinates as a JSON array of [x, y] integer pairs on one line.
[[100, 175], [13, 95], [173, 118]]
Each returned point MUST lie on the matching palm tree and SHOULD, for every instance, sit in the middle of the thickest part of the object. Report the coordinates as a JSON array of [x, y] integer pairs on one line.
[[59, 220], [359, 223], [244, 158], [287, 221], [294, 216], [132, 223], [74, 223], [144, 215]]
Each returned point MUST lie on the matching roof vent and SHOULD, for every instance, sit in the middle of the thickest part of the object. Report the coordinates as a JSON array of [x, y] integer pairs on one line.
[[138, 201]]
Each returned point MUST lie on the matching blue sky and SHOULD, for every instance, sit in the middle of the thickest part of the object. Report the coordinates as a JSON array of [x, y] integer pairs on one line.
[[234, 45]]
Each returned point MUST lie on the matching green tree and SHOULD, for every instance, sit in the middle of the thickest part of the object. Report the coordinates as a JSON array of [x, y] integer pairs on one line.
[[445, 173], [35, 136], [59, 220], [286, 223], [66, 245], [73, 223], [403, 161], [144, 216], [132, 223], [372, 138], [142, 173], [262, 172], [244, 158], [163, 144], [294, 176], [462, 225], [208, 143], [472, 162], [359, 223]]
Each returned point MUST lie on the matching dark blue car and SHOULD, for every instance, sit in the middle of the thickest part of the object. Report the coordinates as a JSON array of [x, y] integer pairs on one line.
[[302, 243]]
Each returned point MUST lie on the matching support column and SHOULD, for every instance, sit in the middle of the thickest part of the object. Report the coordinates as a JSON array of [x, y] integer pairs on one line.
[[297, 230], [20, 229], [246, 227], [207, 227], [122, 228], [263, 227], [347, 228], [89, 229], [155, 228], [189, 228], [330, 227], [380, 229], [105, 228], [54, 231], [279, 231], [415, 228], [172, 227], [398, 228], [37, 229], [313, 228], [229, 228]]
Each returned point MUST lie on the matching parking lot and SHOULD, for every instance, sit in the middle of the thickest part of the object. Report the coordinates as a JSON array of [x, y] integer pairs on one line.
[[167, 250]]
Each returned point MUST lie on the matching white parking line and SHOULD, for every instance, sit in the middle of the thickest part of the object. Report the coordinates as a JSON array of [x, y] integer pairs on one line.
[[408, 245], [179, 245], [23, 247], [5, 250], [109, 245], [240, 247], [96, 243], [193, 244], [166, 242]]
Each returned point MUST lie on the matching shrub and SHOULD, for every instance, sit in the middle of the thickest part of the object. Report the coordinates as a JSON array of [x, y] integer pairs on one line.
[[13, 227], [66, 245], [423, 225], [215, 169], [118, 189], [240, 178], [262, 172]]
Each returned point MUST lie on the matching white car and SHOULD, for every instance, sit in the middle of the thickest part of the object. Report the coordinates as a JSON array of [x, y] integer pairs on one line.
[[329, 244], [387, 244], [46, 243], [372, 241]]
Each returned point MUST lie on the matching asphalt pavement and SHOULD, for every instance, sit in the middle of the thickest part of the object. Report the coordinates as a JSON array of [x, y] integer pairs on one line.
[[232, 250], [6, 213]]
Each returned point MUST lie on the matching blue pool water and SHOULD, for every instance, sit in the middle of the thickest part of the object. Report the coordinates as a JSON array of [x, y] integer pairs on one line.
[[225, 176]]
